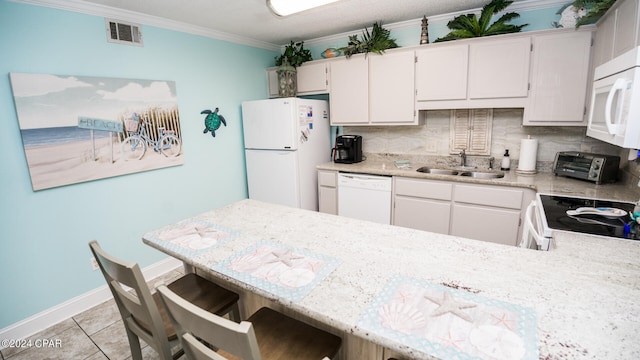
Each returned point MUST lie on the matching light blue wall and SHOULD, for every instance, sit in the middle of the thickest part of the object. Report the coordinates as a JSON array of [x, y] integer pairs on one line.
[[44, 257]]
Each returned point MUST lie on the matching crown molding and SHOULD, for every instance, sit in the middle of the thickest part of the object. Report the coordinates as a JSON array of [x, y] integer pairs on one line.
[[88, 8]]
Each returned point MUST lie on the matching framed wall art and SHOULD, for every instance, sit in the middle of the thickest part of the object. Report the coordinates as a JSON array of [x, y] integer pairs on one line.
[[78, 128]]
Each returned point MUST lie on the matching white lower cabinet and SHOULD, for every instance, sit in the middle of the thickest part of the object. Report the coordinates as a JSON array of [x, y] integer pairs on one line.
[[327, 192], [482, 212], [422, 214], [485, 223], [422, 204]]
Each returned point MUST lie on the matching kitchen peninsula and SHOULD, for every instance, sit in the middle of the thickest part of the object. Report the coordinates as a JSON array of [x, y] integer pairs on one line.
[[392, 291]]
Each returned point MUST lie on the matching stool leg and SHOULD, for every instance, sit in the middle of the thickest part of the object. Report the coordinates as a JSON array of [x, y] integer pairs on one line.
[[234, 315], [188, 269]]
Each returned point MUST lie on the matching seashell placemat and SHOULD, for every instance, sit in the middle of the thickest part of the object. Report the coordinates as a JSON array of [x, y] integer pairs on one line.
[[279, 269], [451, 322], [191, 237]]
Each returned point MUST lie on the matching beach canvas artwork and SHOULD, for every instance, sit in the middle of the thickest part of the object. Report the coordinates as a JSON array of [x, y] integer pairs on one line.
[[78, 128]]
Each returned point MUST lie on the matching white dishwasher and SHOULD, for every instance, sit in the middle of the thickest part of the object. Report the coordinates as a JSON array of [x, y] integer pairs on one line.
[[365, 197]]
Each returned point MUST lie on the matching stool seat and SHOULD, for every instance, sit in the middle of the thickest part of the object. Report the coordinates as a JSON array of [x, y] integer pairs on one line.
[[266, 335], [200, 292], [282, 337]]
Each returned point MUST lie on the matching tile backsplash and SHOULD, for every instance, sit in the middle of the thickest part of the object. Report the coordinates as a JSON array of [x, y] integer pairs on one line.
[[432, 139]]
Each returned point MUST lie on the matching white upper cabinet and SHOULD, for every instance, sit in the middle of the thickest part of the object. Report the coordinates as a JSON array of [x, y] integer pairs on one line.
[[603, 43], [349, 97], [476, 73], [392, 88], [618, 31], [559, 79], [499, 68], [544, 72], [313, 78], [441, 73], [626, 30], [272, 82], [373, 89]]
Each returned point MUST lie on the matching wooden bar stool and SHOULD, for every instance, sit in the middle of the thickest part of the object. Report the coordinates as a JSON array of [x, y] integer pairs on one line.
[[144, 315], [266, 335]]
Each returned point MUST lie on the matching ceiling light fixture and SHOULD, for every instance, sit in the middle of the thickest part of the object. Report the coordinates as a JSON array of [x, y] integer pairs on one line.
[[288, 7]]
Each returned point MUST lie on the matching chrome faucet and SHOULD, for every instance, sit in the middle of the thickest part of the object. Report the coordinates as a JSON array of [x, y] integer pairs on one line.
[[463, 158], [491, 162]]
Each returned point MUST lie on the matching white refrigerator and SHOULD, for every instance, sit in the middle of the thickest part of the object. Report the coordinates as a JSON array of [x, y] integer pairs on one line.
[[285, 139]]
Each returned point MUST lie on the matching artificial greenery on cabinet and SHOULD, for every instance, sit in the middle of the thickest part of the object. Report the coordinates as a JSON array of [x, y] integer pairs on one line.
[[376, 41], [470, 26], [595, 9], [294, 54]]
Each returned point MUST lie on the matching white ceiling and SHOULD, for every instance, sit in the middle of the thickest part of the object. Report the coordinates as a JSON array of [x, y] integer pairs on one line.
[[251, 20]]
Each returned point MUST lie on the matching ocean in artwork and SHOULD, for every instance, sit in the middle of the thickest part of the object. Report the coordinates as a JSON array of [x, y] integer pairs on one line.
[[58, 135]]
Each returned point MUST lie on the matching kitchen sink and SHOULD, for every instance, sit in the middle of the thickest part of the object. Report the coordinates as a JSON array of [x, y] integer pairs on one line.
[[483, 175], [435, 171], [473, 174]]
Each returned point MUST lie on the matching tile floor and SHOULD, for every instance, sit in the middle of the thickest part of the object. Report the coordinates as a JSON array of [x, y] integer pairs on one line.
[[96, 334]]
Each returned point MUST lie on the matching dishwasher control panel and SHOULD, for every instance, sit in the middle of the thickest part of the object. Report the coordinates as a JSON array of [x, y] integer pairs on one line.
[[373, 182]]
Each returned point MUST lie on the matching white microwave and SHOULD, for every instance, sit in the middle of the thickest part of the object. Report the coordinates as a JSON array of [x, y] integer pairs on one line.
[[614, 116]]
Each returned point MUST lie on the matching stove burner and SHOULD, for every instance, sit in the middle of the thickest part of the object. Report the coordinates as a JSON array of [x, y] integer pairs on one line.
[[555, 210]]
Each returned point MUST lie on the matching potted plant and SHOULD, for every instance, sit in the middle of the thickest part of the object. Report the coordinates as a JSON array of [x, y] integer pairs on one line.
[[469, 26], [376, 41], [293, 56]]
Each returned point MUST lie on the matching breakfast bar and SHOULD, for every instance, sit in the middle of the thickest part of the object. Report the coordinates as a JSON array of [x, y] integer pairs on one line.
[[409, 294]]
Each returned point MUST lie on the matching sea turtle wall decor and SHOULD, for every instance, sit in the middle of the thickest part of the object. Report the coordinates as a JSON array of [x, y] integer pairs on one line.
[[212, 121]]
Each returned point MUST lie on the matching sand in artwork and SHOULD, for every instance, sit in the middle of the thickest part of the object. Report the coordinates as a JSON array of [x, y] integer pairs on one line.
[[55, 165]]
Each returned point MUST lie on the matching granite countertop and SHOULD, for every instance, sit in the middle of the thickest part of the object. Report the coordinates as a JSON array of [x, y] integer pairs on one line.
[[542, 182], [579, 301]]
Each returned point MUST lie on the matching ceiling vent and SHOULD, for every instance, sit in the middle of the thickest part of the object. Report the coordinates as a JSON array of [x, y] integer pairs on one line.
[[123, 33]]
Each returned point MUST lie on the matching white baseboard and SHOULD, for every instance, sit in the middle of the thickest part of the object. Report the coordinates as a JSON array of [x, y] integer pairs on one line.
[[49, 317]]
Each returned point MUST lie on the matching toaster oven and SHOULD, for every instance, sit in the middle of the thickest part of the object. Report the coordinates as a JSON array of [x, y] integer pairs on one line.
[[591, 167]]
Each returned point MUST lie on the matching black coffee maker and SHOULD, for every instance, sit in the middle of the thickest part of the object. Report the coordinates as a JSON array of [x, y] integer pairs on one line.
[[348, 149]]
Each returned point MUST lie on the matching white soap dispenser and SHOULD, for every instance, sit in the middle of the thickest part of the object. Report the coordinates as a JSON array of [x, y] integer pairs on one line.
[[506, 161]]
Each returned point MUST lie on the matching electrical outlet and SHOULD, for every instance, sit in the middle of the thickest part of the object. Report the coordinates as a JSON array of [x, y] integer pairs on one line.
[[94, 263]]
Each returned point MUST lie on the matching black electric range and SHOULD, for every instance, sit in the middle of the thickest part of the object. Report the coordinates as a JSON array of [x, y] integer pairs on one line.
[[555, 211]]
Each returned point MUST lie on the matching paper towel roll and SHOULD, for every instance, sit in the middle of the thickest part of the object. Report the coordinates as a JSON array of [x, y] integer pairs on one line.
[[528, 155]]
